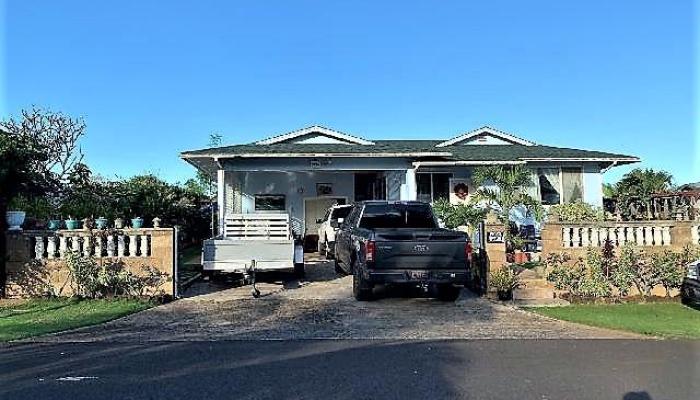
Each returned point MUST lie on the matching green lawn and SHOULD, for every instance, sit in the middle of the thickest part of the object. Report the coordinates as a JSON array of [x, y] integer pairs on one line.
[[671, 320], [37, 317]]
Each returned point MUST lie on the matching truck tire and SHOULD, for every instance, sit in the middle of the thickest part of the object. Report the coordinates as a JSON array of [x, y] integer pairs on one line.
[[299, 270], [338, 269], [447, 292], [361, 289]]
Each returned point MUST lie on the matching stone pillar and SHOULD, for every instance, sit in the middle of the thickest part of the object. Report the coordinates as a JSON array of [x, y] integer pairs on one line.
[[495, 249]]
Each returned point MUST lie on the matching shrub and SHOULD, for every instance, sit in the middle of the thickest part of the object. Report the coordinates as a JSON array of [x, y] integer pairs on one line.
[[578, 212], [455, 215], [90, 280], [669, 269]]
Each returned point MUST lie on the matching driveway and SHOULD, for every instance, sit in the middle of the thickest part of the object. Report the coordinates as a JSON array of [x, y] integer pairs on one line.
[[321, 307]]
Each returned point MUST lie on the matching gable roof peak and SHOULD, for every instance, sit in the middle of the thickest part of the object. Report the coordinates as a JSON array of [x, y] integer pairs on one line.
[[322, 130], [488, 130]]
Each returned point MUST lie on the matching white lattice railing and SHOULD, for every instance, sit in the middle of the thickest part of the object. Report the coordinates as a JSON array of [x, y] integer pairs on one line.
[[618, 235], [127, 243]]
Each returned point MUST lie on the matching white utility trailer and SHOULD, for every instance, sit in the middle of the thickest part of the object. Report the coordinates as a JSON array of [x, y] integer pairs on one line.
[[251, 243]]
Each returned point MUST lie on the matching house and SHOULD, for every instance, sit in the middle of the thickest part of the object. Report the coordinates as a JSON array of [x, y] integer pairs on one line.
[[305, 171]]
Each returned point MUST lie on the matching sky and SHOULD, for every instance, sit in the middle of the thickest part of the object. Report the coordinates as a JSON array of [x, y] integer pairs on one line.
[[154, 78]]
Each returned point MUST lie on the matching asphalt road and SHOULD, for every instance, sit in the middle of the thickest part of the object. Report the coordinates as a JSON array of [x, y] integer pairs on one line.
[[353, 369]]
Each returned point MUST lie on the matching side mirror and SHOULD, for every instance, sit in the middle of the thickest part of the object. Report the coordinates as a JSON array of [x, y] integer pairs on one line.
[[334, 223], [319, 220]]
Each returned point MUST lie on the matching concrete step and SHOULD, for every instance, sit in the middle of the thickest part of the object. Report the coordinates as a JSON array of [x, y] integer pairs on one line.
[[540, 302], [533, 293]]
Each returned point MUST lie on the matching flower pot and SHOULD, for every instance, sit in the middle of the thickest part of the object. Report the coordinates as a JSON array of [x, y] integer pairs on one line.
[[101, 223], [505, 295], [119, 223], [137, 223], [15, 219], [88, 223], [520, 257], [54, 224], [72, 224]]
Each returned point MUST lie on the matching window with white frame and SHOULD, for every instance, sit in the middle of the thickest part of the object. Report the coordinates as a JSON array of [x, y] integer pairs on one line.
[[560, 185], [431, 186], [270, 202]]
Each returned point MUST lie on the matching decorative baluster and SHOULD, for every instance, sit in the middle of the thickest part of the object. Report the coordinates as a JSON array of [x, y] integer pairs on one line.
[[51, 248], [132, 246], [39, 248], [648, 236], [595, 236], [566, 236], [121, 246], [145, 251], [666, 235], [110, 246], [98, 246], [585, 236], [87, 248], [75, 244], [62, 246], [657, 236], [695, 234], [639, 231], [576, 237], [621, 235]]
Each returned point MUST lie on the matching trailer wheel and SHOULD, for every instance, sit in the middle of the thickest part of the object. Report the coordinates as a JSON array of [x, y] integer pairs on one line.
[[299, 270]]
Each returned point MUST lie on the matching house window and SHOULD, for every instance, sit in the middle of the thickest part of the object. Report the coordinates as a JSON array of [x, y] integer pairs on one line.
[[432, 186], [270, 202], [560, 185], [572, 184]]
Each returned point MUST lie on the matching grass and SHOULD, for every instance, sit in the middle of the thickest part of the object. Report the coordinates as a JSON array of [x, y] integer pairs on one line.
[[670, 320], [40, 316]]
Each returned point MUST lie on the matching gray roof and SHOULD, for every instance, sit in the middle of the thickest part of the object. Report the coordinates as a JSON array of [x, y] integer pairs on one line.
[[415, 148]]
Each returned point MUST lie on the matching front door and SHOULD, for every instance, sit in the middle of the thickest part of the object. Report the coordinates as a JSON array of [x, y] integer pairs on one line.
[[315, 209]]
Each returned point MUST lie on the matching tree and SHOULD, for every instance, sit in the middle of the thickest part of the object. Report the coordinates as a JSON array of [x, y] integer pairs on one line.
[[637, 187], [502, 189]]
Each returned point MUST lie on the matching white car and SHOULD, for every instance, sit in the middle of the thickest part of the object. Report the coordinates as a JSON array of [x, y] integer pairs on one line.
[[329, 226]]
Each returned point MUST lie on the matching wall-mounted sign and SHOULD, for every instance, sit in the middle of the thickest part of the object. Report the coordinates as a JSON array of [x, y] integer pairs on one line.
[[495, 237]]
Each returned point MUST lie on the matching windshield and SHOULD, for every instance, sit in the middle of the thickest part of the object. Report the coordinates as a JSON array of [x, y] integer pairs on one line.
[[417, 216], [341, 212]]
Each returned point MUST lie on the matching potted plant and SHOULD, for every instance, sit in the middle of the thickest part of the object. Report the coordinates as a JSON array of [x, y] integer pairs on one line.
[[519, 256], [72, 223], [101, 223], [88, 223], [54, 224], [119, 223], [505, 280], [137, 223], [16, 213]]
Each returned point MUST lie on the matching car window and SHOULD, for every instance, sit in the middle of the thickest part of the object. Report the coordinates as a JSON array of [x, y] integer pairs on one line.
[[391, 216], [342, 212]]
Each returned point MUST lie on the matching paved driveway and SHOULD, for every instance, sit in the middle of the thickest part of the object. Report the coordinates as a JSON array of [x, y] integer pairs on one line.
[[321, 307]]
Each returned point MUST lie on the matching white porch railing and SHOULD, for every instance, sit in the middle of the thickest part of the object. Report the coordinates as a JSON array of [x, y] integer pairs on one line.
[[57, 245], [619, 235]]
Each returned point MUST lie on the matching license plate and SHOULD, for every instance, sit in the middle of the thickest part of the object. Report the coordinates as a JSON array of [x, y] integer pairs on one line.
[[419, 275]]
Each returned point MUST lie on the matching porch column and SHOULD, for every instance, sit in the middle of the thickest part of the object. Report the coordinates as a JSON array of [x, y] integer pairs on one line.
[[221, 200], [409, 188]]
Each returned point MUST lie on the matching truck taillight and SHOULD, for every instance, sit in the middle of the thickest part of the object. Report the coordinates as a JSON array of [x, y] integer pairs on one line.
[[370, 248], [468, 251]]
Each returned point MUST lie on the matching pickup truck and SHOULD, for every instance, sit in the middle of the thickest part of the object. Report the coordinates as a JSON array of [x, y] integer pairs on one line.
[[382, 242]]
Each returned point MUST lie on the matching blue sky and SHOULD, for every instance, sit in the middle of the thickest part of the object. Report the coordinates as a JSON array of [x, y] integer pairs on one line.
[[153, 78]]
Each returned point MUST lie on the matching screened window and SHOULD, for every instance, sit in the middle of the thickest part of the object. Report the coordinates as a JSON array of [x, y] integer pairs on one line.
[[432, 186], [549, 185], [270, 202]]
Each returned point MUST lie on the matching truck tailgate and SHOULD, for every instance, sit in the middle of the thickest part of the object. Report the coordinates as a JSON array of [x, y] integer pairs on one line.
[[419, 249]]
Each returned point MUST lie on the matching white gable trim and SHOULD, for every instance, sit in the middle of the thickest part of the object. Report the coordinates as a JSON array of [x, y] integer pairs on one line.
[[315, 129], [489, 131]]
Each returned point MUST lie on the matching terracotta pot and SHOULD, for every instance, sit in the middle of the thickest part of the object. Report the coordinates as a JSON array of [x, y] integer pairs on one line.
[[520, 257]]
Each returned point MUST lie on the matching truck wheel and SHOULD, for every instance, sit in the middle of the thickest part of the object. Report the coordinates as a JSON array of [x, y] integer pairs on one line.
[[447, 292], [338, 269], [361, 289], [299, 270]]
